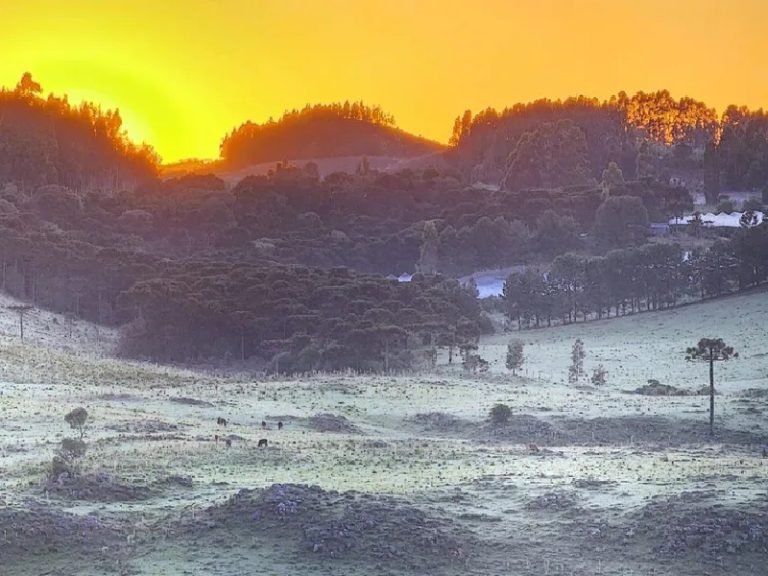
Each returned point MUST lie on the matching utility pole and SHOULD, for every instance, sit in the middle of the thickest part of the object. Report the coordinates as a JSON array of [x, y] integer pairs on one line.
[[21, 309]]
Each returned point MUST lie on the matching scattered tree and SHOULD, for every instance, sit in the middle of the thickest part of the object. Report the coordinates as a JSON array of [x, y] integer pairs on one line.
[[77, 419], [576, 369], [515, 356], [711, 350]]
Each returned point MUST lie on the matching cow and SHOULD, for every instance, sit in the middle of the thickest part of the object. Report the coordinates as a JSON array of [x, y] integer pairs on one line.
[[221, 421], [280, 425], [263, 442]]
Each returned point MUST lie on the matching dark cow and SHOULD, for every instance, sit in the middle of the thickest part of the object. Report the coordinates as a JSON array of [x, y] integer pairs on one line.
[[280, 425], [263, 442], [221, 421]]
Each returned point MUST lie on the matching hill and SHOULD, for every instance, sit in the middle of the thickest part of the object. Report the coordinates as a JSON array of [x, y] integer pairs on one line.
[[322, 131], [48, 141]]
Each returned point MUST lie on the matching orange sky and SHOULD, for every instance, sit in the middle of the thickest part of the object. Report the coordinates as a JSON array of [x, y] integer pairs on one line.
[[183, 73]]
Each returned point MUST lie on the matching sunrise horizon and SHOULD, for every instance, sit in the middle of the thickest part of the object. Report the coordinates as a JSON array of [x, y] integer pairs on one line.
[[424, 66]]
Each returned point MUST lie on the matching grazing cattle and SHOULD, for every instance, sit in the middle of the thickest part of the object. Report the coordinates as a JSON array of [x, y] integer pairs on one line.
[[263, 442], [263, 424], [533, 448], [216, 438], [228, 442], [221, 421], [280, 425]]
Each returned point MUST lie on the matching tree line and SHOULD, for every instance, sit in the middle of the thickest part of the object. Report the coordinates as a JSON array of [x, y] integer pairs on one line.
[[649, 277], [47, 140]]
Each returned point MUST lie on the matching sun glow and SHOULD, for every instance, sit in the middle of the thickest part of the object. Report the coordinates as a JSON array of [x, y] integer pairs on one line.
[[185, 73]]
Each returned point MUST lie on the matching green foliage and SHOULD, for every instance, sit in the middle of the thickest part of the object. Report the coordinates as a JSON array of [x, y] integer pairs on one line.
[[500, 414]]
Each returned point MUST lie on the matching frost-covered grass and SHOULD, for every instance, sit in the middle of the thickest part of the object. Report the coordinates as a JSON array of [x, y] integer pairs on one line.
[[149, 422]]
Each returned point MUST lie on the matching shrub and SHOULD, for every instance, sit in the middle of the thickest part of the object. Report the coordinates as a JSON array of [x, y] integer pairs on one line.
[[500, 414], [76, 419], [599, 375], [725, 206]]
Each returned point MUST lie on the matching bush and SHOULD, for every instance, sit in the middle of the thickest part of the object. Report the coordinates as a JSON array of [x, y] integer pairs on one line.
[[76, 419], [725, 206], [64, 463], [599, 376], [753, 205], [500, 414]]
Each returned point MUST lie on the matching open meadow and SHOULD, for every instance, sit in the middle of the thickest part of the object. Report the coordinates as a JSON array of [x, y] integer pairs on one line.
[[401, 474]]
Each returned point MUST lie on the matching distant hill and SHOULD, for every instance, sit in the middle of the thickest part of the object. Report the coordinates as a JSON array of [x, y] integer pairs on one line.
[[48, 141], [322, 131]]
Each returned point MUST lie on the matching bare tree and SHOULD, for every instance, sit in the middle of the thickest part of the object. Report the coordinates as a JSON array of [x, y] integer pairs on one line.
[[711, 350]]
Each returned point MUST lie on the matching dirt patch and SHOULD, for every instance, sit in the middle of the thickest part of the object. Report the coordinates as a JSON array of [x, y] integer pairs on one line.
[[345, 526], [332, 423]]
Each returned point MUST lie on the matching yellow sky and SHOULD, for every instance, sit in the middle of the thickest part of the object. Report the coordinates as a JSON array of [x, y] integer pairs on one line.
[[185, 73]]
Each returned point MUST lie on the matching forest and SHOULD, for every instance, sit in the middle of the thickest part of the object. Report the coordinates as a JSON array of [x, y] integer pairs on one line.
[[288, 270]]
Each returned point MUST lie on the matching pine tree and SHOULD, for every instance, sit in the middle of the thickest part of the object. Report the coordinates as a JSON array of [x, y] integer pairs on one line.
[[711, 350], [576, 370]]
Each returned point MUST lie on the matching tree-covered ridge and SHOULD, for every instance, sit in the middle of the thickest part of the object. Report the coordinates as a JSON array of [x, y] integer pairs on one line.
[[322, 131], [47, 140], [647, 135]]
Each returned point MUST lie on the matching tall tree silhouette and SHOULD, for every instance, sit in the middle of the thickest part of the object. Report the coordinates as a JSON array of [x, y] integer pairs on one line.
[[711, 350]]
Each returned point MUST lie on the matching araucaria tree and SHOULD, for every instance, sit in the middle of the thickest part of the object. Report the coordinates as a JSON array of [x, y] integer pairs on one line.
[[711, 350], [576, 369], [515, 356]]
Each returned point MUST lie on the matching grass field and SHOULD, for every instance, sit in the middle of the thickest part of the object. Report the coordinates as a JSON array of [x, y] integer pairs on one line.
[[407, 474]]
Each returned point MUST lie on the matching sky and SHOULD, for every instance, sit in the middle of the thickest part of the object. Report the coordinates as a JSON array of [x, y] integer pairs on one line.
[[184, 73]]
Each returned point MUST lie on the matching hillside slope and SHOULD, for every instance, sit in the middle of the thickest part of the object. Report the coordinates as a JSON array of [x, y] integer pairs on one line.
[[318, 135]]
